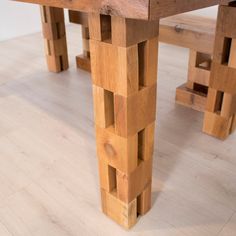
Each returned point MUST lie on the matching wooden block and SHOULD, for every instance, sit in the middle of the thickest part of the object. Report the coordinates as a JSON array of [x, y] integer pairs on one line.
[[134, 113], [144, 200], [51, 14], [123, 213], [199, 68], [56, 47], [228, 105], [189, 84], [120, 153], [99, 27], [95, 29], [83, 63], [225, 34], [214, 100], [233, 125], [221, 46], [131, 185], [58, 50], [148, 54], [115, 68], [107, 175], [54, 63], [199, 76], [57, 63], [226, 25], [85, 32], [53, 31], [86, 46], [43, 14], [64, 61], [223, 78], [232, 56], [134, 31], [190, 98], [146, 142], [216, 125], [103, 107], [78, 17]]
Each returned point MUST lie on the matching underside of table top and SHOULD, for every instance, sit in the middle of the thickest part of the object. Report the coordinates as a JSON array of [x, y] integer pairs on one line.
[[138, 9]]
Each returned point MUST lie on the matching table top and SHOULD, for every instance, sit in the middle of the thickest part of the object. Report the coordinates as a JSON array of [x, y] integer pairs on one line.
[[138, 9]]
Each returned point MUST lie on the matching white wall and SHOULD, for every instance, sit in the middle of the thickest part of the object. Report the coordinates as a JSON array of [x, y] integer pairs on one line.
[[18, 19], [209, 12]]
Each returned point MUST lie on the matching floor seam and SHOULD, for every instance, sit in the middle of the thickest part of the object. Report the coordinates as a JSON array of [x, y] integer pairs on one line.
[[226, 223]]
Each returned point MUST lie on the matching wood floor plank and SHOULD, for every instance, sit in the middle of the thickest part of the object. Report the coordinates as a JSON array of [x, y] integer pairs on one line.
[[4, 231], [230, 228]]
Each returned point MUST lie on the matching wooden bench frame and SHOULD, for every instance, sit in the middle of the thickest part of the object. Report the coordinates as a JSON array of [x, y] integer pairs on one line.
[[198, 34]]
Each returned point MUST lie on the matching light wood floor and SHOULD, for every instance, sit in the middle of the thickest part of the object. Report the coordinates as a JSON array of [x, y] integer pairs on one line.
[[48, 169]]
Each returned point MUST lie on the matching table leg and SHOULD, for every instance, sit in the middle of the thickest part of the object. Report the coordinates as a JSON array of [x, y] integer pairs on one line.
[[220, 119], [83, 60], [124, 70], [54, 32]]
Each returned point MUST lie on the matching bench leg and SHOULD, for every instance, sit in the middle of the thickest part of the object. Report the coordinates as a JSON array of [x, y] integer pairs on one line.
[[124, 72], [220, 120], [81, 18], [193, 94], [53, 25], [83, 60]]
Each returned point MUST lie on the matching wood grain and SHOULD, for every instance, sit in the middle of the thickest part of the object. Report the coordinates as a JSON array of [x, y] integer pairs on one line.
[[189, 31], [138, 9], [164, 8], [125, 8]]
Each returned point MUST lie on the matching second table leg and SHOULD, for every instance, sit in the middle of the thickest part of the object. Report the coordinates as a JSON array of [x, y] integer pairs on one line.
[[124, 71], [220, 118]]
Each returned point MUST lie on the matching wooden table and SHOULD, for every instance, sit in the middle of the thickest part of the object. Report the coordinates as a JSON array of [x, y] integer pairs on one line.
[[124, 53]]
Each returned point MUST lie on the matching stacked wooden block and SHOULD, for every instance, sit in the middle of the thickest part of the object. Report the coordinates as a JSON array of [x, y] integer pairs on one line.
[[124, 68], [220, 119], [55, 38], [83, 60]]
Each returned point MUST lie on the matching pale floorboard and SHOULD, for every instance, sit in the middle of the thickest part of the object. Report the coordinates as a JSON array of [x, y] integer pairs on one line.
[[48, 168]]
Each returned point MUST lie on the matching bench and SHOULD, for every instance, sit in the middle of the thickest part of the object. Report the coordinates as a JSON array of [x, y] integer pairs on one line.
[[189, 31], [198, 34]]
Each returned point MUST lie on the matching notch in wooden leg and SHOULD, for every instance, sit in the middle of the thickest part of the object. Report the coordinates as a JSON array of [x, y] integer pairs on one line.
[[144, 200], [103, 107]]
